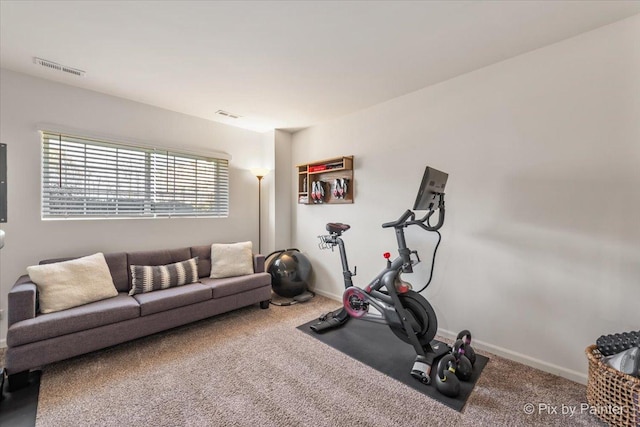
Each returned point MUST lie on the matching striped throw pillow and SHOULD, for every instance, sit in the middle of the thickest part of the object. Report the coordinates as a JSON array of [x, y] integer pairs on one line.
[[147, 278]]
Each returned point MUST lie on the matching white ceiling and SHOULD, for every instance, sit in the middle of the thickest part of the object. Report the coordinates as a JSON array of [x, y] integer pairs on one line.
[[278, 64]]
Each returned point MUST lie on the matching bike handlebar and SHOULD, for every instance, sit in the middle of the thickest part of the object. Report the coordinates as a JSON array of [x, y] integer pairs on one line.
[[421, 222], [401, 221], [409, 218]]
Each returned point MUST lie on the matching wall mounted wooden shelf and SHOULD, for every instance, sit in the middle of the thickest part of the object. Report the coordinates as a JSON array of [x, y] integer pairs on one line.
[[330, 173]]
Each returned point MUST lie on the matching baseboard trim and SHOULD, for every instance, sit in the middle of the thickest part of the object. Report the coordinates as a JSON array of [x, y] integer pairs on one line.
[[569, 374], [328, 295]]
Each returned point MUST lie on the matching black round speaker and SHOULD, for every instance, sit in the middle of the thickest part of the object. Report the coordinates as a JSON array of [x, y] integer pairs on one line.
[[290, 271]]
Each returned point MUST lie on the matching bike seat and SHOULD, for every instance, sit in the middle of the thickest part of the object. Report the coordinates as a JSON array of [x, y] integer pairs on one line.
[[337, 227]]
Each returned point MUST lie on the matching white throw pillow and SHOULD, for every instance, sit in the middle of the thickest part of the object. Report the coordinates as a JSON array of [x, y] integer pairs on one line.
[[72, 283], [229, 260]]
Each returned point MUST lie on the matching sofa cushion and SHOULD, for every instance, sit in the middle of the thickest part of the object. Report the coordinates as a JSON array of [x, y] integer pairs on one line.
[[166, 299], [72, 283], [117, 263], [204, 259], [230, 260], [88, 316], [160, 257], [147, 278], [235, 285]]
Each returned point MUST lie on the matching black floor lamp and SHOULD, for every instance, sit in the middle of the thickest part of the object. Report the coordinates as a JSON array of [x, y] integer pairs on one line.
[[259, 173]]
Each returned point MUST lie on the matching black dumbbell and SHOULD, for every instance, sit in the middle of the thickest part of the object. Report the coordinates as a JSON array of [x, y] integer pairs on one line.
[[446, 381]]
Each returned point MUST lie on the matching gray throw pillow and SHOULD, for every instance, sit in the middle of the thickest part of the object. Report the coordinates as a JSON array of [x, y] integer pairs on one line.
[[147, 278]]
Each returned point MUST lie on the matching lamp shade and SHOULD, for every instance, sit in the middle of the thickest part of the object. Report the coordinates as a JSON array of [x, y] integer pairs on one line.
[[259, 172]]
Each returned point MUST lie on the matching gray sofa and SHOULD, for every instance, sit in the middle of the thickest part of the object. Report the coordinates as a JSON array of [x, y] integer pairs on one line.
[[35, 339]]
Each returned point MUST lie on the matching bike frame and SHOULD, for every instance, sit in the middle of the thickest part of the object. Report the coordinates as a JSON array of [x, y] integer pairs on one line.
[[356, 301], [388, 305]]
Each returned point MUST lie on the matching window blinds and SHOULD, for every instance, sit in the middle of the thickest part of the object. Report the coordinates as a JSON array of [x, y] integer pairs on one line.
[[86, 178]]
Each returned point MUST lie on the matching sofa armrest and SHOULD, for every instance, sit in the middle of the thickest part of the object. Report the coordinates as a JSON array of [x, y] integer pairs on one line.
[[22, 300], [258, 263]]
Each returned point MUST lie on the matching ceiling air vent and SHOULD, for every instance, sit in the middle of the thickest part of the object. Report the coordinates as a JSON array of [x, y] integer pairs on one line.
[[227, 114], [55, 66]]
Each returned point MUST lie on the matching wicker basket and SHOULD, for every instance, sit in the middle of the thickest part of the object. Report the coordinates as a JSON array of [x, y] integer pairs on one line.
[[614, 397]]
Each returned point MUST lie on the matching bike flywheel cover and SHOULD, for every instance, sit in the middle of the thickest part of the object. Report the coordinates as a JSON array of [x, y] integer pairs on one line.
[[353, 300]]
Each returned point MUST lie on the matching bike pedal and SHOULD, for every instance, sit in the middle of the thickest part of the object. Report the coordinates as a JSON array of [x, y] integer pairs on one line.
[[421, 370], [421, 377]]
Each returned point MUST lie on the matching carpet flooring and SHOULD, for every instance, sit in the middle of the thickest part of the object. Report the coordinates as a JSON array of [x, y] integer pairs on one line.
[[376, 346], [252, 367]]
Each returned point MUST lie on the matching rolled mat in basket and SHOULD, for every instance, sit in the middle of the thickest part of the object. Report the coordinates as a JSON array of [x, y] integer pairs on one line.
[[614, 397]]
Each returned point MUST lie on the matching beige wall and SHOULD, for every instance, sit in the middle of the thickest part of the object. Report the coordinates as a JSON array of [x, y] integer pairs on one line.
[[541, 246], [26, 101]]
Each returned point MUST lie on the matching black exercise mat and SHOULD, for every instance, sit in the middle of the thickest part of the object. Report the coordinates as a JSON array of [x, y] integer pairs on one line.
[[19, 408], [376, 345]]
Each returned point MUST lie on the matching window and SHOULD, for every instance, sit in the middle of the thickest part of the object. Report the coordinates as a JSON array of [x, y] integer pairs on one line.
[[86, 178]]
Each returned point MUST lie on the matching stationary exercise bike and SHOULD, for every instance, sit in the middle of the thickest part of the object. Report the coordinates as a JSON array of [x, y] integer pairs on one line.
[[407, 313]]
